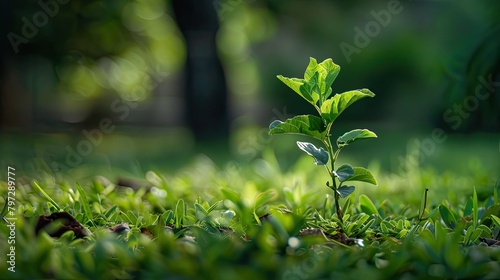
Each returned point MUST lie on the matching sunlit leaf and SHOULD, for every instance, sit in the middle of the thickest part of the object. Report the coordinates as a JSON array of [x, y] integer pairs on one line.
[[367, 205], [333, 107], [353, 136], [304, 124], [328, 72], [363, 175], [319, 154], [297, 86], [310, 89]]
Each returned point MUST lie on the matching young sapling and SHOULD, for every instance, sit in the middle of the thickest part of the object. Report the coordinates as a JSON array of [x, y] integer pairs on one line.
[[316, 89]]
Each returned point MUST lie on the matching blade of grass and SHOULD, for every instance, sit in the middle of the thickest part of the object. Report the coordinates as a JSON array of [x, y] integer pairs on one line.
[[85, 202], [475, 209], [180, 213], [110, 212], [47, 196], [4, 210], [495, 220]]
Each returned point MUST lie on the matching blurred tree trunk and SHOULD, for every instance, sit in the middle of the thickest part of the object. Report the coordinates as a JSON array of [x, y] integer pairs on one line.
[[5, 51], [205, 85]]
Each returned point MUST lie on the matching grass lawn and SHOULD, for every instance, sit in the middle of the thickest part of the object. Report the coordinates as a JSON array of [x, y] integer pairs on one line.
[[143, 210]]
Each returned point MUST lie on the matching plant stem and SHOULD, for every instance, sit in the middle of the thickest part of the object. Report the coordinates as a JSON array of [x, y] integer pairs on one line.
[[333, 158]]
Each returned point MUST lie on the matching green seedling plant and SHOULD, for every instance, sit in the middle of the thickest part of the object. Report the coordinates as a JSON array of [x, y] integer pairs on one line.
[[316, 89]]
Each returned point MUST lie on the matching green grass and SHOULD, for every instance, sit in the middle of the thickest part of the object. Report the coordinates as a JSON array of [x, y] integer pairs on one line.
[[246, 220]]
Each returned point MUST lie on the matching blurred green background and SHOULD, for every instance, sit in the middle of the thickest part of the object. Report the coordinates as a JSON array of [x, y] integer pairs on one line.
[[134, 85]]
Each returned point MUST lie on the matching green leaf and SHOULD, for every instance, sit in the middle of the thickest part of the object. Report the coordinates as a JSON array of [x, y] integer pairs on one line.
[[264, 198], [328, 73], [110, 212], [311, 69], [353, 136], [296, 85], [344, 172], [303, 124], [180, 213], [168, 216], [212, 208], [496, 220], [367, 205], [200, 210], [334, 106], [475, 209], [311, 89], [344, 191], [363, 175], [231, 195], [430, 214], [320, 155], [447, 216], [85, 203]]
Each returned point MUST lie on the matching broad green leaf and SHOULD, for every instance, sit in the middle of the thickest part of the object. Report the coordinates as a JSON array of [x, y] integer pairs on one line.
[[328, 72], [298, 86], [363, 175], [311, 89], [333, 107], [311, 69], [344, 172], [367, 205], [344, 191], [447, 216], [304, 124], [353, 136], [320, 155]]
